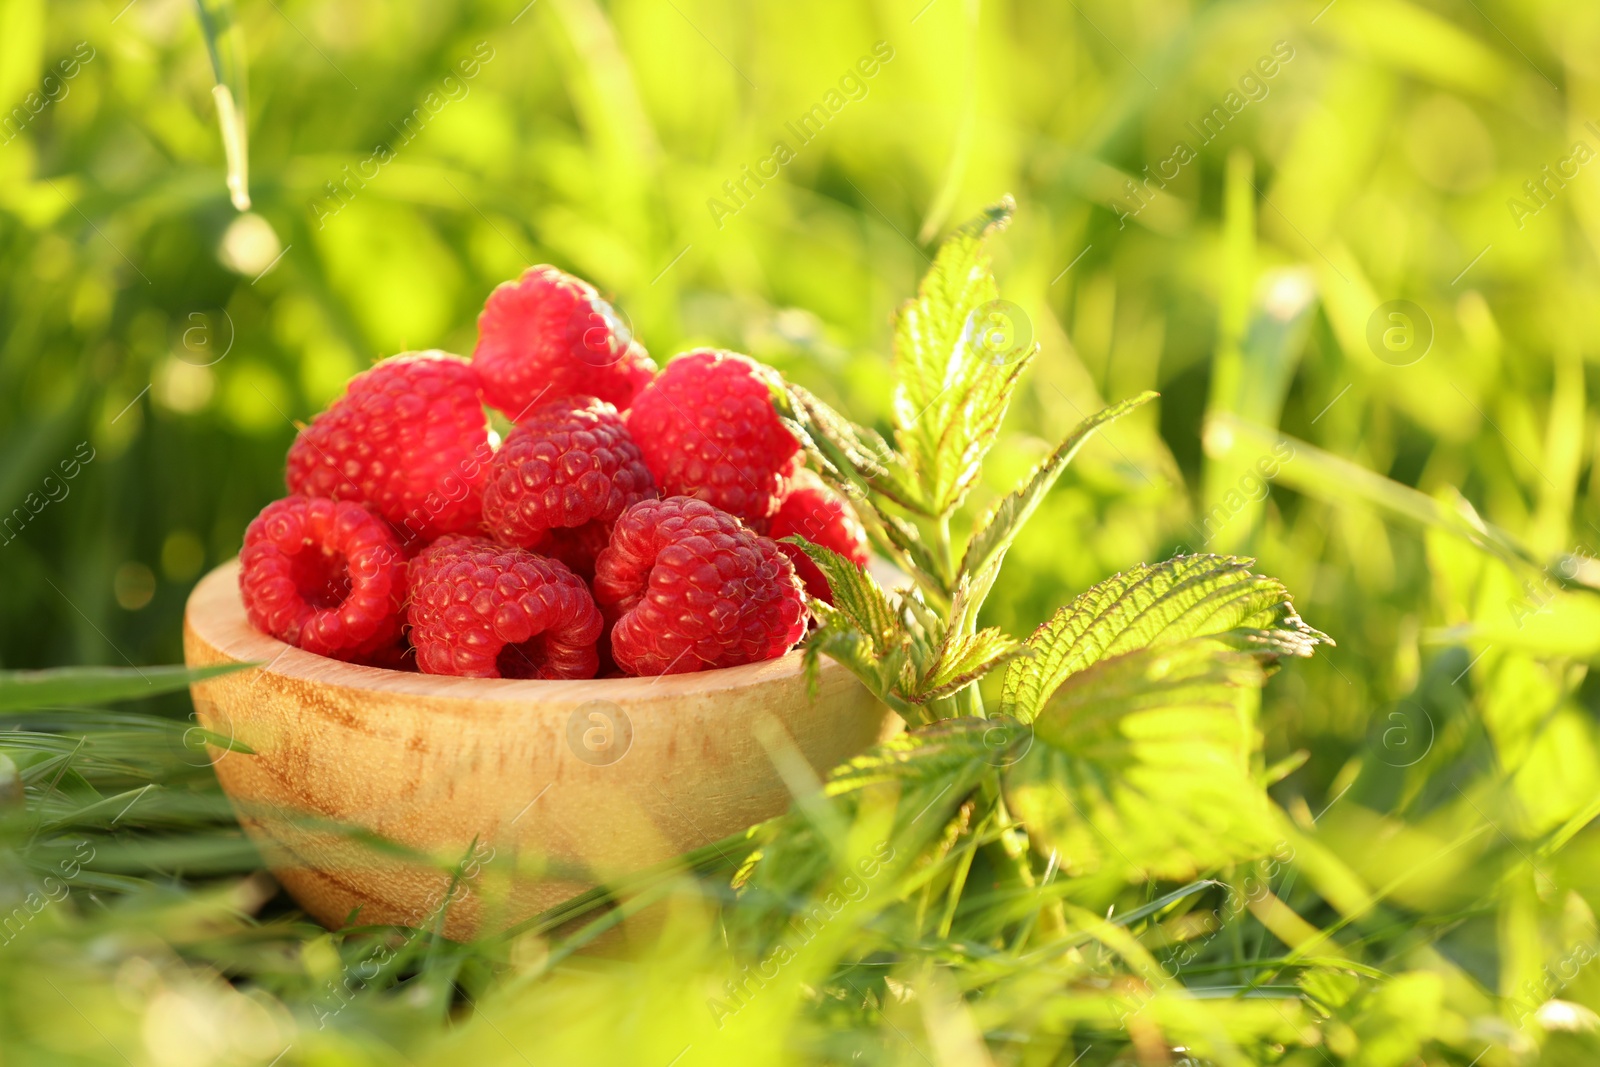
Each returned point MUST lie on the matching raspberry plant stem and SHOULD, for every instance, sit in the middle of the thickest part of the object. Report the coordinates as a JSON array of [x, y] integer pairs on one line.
[[945, 558]]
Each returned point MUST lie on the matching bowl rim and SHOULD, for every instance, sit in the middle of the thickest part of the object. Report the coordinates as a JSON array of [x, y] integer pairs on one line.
[[215, 615]]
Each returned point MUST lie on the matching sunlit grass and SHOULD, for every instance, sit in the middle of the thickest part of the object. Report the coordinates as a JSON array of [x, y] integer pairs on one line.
[[1432, 896]]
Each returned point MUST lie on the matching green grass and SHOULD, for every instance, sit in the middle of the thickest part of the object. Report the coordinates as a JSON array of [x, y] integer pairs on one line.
[[1433, 873]]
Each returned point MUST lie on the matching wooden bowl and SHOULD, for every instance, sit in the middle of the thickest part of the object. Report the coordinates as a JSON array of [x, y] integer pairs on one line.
[[519, 794]]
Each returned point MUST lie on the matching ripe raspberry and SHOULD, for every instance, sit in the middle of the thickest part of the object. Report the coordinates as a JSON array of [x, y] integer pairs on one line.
[[567, 464], [691, 588], [707, 428], [549, 335], [409, 439], [814, 511], [482, 610], [325, 575]]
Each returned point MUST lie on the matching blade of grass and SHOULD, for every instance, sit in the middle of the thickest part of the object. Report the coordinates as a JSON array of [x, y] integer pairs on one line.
[[28, 690], [1338, 481], [220, 29]]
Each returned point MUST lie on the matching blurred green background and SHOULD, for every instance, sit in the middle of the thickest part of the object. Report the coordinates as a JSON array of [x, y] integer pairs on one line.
[[1438, 153]]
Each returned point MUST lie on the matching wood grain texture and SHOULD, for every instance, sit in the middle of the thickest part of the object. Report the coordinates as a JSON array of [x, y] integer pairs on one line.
[[534, 791]]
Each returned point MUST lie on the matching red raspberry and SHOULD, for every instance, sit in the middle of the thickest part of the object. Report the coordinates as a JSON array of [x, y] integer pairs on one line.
[[569, 463], [707, 428], [482, 610], [549, 335], [692, 588], [409, 438], [325, 575], [814, 511]]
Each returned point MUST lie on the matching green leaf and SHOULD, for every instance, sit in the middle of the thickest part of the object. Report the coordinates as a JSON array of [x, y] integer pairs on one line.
[[861, 465], [78, 686], [1141, 765], [929, 329], [857, 597], [862, 629], [969, 422], [848, 453], [839, 639], [1149, 605], [962, 660], [936, 755], [954, 377], [913, 551], [935, 767], [996, 532]]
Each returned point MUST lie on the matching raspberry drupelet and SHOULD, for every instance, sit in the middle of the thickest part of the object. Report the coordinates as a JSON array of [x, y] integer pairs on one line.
[[690, 588], [707, 428], [409, 439], [325, 575], [549, 335], [482, 610], [561, 479]]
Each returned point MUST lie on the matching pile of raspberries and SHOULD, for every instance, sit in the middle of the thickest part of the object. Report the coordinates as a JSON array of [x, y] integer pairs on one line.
[[626, 524]]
